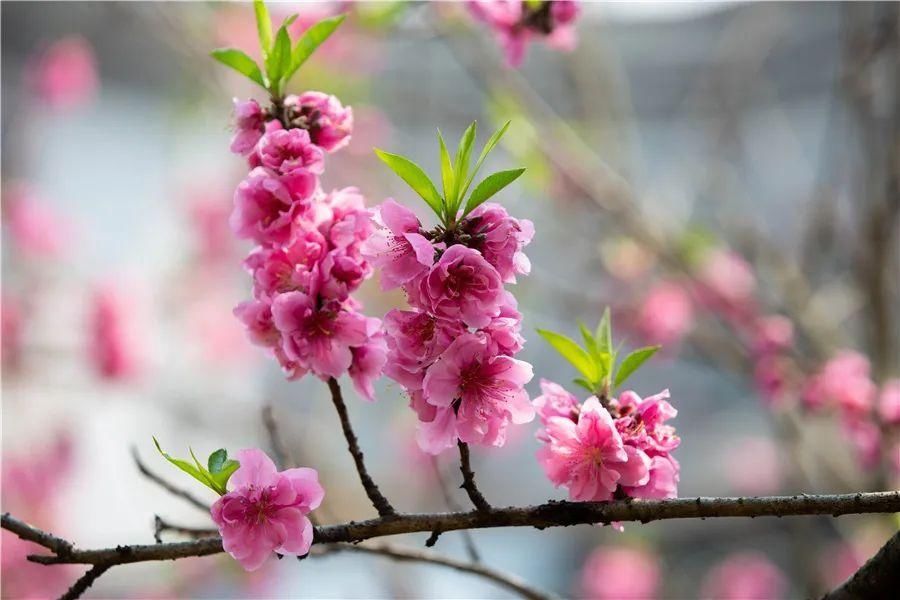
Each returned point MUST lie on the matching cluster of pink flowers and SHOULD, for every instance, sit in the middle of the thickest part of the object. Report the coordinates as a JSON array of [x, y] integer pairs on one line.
[[308, 258], [453, 350], [266, 510], [517, 22], [601, 453]]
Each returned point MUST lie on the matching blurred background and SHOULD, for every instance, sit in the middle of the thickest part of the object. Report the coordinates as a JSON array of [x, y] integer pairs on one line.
[[724, 176]]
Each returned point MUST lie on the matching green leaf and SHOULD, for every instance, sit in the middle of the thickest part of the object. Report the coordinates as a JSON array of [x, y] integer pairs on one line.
[[311, 39], [278, 61], [447, 173], [604, 332], [290, 20], [240, 62], [415, 177], [463, 156], [221, 468], [263, 27], [492, 141], [633, 362], [490, 186], [585, 384], [197, 472], [216, 460], [572, 352]]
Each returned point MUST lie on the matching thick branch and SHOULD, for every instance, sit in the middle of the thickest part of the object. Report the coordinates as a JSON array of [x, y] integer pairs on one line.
[[551, 514], [175, 491], [415, 555], [380, 503], [878, 578], [469, 478]]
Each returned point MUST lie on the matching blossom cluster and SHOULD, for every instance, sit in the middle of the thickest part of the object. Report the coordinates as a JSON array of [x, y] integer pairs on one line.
[[453, 349], [602, 453], [517, 22], [308, 258]]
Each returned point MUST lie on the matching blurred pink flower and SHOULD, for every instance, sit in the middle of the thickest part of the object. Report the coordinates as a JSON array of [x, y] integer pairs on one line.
[[12, 318], [745, 576], [773, 333], [265, 511], [36, 229], [589, 457], [209, 224], [752, 465], [844, 381], [666, 314], [889, 402], [620, 574], [865, 437], [555, 401], [115, 348], [64, 76], [773, 378]]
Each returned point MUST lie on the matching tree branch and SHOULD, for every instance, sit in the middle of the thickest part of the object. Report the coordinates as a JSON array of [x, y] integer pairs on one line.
[[175, 491], [469, 478], [551, 514], [84, 582], [380, 503], [471, 549], [425, 556], [279, 451], [878, 578]]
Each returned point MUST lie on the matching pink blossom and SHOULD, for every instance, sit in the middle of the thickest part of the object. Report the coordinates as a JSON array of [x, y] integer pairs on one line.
[[291, 154], [287, 267], [772, 376], [589, 457], [555, 401], [728, 285], [642, 422], [843, 381], [462, 285], [265, 511], [745, 576], [344, 220], [865, 437], [774, 333], [664, 476], [264, 209], [319, 338], [114, 347], [486, 391], [415, 339], [12, 317], [256, 315], [889, 402], [65, 75], [328, 122], [249, 123], [208, 213], [504, 331], [399, 250], [666, 314], [35, 227], [500, 239], [620, 574], [368, 361]]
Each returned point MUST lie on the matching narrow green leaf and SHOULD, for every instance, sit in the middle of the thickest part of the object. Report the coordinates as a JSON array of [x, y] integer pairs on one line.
[[193, 471], [463, 156], [222, 476], [207, 476], [604, 365], [290, 20], [240, 62], [415, 177], [604, 332], [590, 343], [447, 173], [492, 141], [278, 61], [490, 186], [572, 352], [263, 27], [585, 384], [633, 362], [311, 39]]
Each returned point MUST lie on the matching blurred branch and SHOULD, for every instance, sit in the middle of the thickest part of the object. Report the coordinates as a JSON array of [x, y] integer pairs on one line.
[[175, 491], [425, 556], [84, 582], [275, 442], [380, 503], [878, 578], [161, 526], [469, 478], [471, 549]]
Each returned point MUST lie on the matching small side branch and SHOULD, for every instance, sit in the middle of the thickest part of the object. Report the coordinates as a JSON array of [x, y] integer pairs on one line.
[[278, 448], [380, 503], [878, 578], [84, 582], [471, 549], [401, 554], [175, 491], [469, 478]]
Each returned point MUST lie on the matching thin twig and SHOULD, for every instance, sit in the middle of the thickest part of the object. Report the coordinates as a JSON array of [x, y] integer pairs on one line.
[[469, 478], [380, 503], [161, 526], [469, 541], [84, 582], [175, 491], [282, 458], [551, 514], [425, 556]]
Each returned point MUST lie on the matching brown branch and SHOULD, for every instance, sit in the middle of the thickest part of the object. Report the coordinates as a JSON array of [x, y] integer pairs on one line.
[[416, 555], [84, 582], [279, 451], [469, 478], [471, 549], [380, 503], [161, 526], [551, 514], [175, 491], [878, 578]]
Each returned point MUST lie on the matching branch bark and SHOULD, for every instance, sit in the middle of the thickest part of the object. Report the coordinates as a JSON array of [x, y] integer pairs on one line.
[[469, 478], [878, 578], [84, 582], [380, 503], [551, 514]]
